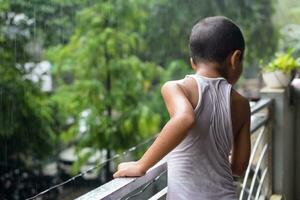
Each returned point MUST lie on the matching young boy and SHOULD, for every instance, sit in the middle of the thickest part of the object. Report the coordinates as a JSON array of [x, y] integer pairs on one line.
[[208, 119]]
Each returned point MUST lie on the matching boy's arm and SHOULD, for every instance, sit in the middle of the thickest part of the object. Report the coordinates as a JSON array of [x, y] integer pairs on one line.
[[242, 145], [181, 120]]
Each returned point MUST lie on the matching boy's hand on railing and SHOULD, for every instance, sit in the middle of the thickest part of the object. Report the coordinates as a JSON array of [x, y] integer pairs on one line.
[[129, 169]]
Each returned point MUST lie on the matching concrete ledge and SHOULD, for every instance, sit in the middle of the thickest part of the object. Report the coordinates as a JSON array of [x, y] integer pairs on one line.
[[276, 197]]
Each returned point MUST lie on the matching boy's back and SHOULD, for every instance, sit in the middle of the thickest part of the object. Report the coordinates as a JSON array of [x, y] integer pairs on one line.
[[199, 166], [239, 105]]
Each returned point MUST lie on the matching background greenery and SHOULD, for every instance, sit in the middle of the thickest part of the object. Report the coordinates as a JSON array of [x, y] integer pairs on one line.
[[26, 121], [109, 59], [287, 18]]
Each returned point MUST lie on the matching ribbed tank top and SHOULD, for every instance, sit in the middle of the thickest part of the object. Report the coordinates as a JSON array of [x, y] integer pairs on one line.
[[199, 168]]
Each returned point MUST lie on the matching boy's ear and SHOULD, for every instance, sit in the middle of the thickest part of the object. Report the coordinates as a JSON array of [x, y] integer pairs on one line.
[[236, 58], [193, 64]]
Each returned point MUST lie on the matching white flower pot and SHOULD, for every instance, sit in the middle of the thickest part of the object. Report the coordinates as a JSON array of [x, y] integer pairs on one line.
[[276, 79]]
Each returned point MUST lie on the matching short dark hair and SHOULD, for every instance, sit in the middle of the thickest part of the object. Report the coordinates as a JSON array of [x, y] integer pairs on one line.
[[214, 38]]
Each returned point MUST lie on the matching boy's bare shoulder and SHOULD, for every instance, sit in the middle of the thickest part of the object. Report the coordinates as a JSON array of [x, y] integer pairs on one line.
[[240, 111], [185, 81], [187, 85], [240, 102], [170, 85]]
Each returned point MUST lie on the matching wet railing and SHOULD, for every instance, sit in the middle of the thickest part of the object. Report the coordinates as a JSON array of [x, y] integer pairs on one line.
[[255, 184]]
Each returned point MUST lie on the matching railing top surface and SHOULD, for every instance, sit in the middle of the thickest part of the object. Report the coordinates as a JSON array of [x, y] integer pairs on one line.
[[261, 104], [119, 187], [258, 121]]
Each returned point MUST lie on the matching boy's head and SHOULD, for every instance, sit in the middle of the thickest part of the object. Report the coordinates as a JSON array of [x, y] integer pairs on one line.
[[219, 40]]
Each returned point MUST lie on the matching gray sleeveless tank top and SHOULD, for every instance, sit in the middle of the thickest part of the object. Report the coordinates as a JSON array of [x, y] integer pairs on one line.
[[199, 168]]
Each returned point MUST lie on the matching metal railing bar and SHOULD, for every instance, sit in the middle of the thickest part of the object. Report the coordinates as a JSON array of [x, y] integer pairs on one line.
[[258, 122], [251, 160], [245, 189], [261, 183], [257, 168], [160, 194], [261, 104], [146, 186]]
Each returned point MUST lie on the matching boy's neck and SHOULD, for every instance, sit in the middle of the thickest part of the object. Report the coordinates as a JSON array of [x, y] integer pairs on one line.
[[210, 69]]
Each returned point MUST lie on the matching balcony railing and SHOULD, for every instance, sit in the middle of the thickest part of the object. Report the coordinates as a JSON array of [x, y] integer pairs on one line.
[[256, 183]]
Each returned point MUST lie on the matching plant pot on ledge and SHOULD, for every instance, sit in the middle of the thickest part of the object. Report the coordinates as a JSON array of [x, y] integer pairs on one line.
[[276, 79], [278, 72]]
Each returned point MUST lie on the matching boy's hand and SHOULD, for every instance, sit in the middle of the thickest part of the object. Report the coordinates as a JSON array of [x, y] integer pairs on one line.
[[129, 169]]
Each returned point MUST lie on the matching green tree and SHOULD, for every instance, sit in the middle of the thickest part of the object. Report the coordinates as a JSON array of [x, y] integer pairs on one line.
[[98, 72]]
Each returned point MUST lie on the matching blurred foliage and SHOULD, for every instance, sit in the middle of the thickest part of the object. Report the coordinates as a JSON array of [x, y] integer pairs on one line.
[[3, 5], [99, 75], [287, 19], [170, 21], [25, 112], [290, 38], [294, 14], [54, 20], [286, 12]]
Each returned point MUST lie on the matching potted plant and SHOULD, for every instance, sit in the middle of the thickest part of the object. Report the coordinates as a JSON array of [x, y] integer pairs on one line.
[[278, 72]]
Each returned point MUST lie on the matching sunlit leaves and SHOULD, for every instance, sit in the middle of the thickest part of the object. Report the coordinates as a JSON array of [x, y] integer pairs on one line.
[[107, 78], [284, 62]]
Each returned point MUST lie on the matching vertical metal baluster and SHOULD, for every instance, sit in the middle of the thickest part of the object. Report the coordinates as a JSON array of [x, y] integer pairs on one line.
[[261, 183], [251, 160], [257, 168]]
